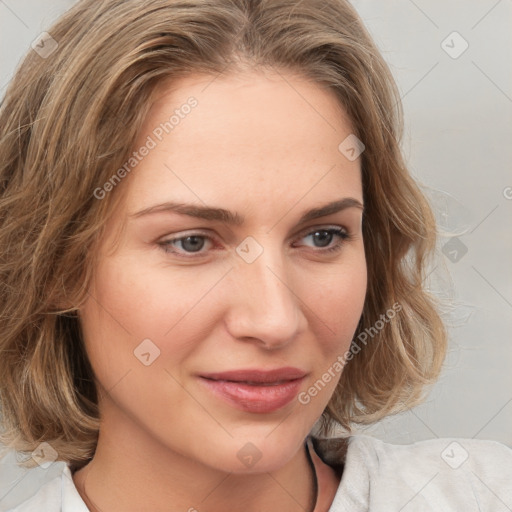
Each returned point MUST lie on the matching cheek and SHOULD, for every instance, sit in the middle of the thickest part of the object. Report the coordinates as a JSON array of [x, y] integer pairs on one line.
[[149, 300], [337, 303], [130, 303]]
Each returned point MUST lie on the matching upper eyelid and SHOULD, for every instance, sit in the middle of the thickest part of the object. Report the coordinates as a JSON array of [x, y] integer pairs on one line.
[[304, 231], [322, 227]]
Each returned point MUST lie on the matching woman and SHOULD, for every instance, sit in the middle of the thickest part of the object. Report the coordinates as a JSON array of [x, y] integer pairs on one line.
[[213, 257]]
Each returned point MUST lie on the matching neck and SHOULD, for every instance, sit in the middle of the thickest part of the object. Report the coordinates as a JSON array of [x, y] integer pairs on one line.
[[131, 471]]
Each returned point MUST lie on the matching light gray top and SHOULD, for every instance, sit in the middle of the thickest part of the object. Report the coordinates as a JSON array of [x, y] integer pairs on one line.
[[459, 475]]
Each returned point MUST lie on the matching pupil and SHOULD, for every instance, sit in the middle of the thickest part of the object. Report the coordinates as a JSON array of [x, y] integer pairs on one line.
[[326, 237], [194, 246]]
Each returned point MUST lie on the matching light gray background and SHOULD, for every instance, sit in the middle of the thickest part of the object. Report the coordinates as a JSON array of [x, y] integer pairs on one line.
[[458, 143]]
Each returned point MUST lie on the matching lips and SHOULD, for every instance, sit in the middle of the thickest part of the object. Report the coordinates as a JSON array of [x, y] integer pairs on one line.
[[254, 390], [257, 376]]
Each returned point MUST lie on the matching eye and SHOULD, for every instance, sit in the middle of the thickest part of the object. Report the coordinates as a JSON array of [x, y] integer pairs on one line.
[[324, 237], [192, 245]]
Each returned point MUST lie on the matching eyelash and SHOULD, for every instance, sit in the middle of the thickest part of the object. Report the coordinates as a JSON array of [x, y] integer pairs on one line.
[[341, 233]]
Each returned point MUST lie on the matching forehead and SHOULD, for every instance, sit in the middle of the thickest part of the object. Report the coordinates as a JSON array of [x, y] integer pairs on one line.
[[278, 100], [249, 138]]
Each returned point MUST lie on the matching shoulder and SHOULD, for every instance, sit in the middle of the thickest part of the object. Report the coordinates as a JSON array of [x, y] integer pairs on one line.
[[57, 495], [438, 474]]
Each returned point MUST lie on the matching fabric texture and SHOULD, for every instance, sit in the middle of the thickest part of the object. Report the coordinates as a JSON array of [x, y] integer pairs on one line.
[[435, 475]]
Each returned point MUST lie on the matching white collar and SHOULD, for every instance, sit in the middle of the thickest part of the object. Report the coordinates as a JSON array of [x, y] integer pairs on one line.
[[71, 499]]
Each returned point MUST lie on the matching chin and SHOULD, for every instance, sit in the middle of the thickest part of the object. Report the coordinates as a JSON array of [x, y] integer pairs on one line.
[[254, 450]]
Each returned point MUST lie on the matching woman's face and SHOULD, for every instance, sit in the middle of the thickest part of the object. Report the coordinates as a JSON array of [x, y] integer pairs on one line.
[[206, 325]]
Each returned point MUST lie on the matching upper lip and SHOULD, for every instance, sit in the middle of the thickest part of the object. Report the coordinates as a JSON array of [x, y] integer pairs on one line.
[[257, 375]]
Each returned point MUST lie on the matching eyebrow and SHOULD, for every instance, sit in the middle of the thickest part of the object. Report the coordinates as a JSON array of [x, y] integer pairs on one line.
[[233, 218]]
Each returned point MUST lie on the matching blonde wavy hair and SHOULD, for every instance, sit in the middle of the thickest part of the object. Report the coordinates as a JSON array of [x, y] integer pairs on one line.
[[69, 120]]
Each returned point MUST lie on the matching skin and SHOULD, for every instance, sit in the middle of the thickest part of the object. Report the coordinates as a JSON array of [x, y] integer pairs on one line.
[[264, 145]]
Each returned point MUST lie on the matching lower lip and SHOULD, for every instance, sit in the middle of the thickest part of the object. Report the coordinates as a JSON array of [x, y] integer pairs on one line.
[[257, 399]]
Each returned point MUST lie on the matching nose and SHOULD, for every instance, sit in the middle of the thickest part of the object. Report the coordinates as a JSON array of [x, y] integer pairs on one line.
[[264, 307]]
